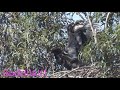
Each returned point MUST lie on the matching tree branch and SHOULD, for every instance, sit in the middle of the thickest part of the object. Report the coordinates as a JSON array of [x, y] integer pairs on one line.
[[106, 21], [93, 30]]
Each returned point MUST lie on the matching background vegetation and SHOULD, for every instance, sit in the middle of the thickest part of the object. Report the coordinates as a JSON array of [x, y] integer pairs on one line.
[[26, 39]]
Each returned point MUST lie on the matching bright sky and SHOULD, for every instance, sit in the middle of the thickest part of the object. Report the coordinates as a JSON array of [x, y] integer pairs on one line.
[[76, 17]]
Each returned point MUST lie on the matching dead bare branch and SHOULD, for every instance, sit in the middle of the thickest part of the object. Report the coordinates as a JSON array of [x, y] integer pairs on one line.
[[93, 30], [106, 21]]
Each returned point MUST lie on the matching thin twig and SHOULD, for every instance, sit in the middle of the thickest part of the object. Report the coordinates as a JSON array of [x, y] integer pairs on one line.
[[106, 21], [59, 72], [69, 72]]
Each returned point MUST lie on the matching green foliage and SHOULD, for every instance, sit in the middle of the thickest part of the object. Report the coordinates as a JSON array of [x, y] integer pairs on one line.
[[107, 51], [26, 39]]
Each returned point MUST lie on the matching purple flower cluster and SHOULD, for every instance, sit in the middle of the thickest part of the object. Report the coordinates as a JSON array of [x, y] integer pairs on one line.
[[24, 73]]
